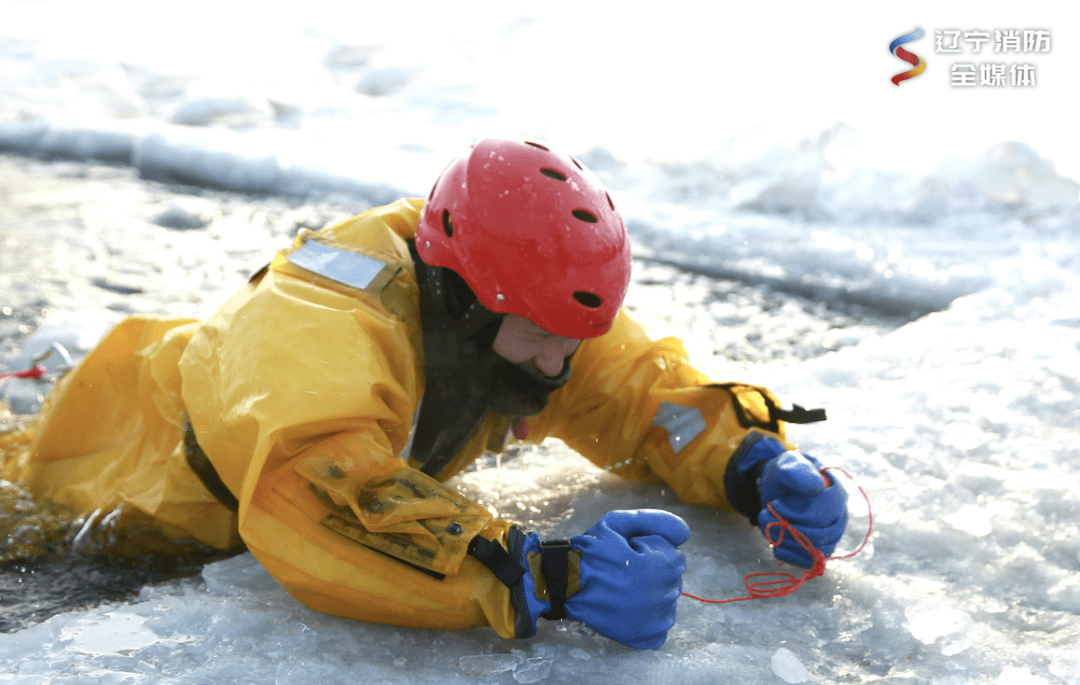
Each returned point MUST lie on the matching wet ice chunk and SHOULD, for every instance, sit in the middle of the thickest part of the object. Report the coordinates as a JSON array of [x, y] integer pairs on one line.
[[488, 664], [183, 217], [1067, 667], [928, 620], [971, 520], [1015, 675], [116, 632], [788, 667], [533, 670]]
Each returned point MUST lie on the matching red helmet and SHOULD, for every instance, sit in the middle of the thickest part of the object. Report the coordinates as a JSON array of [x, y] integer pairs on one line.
[[533, 233]]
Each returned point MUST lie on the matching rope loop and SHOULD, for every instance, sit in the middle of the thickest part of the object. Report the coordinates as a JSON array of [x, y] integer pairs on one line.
[[779, 583]]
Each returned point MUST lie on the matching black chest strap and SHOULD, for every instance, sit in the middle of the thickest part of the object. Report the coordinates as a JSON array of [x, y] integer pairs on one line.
[[200, 464]]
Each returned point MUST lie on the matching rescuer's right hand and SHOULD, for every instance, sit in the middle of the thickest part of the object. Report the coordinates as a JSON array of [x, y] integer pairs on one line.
[[628, 571]]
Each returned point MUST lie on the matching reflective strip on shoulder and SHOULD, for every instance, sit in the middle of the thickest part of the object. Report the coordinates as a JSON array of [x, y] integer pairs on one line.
[[350, 268], [682, 424]]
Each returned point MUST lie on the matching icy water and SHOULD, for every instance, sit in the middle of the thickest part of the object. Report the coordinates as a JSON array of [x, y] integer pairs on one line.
[[101, 241], [53, 562]]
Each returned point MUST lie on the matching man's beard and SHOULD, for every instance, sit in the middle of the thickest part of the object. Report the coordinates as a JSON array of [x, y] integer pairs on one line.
[[457, 400], [511, 391]]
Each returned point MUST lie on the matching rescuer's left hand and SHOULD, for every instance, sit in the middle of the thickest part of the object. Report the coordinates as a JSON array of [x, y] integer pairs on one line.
[[767, 474], [810, 501]]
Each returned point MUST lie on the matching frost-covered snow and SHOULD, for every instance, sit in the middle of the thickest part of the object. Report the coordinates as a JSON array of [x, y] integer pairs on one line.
[[963, 425]]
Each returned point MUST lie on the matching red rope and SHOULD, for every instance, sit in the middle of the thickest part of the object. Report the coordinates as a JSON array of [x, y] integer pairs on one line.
[[36, 371], [779, 583]]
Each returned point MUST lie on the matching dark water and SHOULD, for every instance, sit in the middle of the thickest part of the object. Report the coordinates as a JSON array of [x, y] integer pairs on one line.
[[98, 238], [53, 561], [35, 587]]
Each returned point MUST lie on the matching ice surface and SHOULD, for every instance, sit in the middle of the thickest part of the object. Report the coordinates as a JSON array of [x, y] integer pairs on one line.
[[962, 424]]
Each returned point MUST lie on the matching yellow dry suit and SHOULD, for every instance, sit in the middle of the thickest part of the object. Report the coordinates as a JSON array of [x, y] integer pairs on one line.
[[295, 403]]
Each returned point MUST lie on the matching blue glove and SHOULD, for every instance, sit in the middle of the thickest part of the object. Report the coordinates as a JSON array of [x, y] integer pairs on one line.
[[812, 503], [631, 576]]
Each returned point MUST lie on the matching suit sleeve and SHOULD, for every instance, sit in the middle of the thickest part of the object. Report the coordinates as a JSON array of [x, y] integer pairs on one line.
[[302, 393], [636, 407]]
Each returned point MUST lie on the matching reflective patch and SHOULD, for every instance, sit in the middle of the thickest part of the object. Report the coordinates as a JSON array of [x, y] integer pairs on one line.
[[352, 269], [682, 424]]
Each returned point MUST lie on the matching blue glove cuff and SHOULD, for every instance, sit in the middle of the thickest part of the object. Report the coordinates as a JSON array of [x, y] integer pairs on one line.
[[744, 470]]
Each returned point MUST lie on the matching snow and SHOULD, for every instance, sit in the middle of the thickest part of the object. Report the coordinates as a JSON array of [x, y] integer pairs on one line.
[[962, 425]]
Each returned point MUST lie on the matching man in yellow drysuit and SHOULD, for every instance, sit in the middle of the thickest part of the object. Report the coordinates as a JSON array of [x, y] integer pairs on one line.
[[317, 414]]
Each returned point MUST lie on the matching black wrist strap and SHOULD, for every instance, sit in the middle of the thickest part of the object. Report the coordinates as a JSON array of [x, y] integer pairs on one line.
[[492, 555], [555, 564]]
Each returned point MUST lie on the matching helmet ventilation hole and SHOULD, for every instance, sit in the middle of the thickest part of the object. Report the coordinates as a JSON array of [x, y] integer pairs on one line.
[[577, 164], [447, 224], [552, 173], [610, 203], [590, 300], [542, 147], [585, 215]]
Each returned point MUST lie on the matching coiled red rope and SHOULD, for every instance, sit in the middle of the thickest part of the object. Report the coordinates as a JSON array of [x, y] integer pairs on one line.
[[780, 583]]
